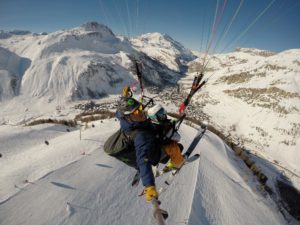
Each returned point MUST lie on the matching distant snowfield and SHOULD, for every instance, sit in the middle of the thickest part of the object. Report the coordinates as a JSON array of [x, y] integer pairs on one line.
[[72, 181]]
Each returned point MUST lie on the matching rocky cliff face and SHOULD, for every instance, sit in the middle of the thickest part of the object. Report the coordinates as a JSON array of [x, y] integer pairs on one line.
[[12, 68]]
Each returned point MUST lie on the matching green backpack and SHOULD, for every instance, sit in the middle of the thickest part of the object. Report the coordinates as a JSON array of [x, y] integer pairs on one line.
[[120, 146]]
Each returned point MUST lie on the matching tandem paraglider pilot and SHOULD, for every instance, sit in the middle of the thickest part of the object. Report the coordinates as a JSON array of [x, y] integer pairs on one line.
[[137, 143]]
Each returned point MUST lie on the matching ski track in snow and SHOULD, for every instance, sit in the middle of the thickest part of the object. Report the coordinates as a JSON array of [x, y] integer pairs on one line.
[[95, 189]]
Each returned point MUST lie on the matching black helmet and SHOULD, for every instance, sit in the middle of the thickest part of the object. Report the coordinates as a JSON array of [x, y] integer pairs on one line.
[[128, 105]]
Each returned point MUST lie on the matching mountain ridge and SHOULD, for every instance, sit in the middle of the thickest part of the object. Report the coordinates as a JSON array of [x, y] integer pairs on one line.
[[82, 63]]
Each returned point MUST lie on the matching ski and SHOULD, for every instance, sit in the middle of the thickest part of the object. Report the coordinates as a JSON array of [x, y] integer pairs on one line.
[[187, 154], [195, 141], [192, 158], [189, 159], [158, 173], [167, 170]]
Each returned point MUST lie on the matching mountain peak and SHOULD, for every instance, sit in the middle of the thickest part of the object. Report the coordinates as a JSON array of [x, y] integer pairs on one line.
[[95, 26], [165, 49], [157, 38]]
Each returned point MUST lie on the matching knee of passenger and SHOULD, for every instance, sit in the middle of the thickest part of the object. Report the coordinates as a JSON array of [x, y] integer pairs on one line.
[[171, 148]]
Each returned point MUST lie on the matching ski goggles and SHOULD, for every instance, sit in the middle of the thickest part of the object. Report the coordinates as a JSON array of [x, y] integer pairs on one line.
[[131, 102]]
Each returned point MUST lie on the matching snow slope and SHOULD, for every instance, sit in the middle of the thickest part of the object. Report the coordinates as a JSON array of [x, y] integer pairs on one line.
[[254, 96], [74, 182]]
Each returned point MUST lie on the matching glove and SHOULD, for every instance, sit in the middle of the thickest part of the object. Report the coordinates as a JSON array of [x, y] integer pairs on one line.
[[150, 193]]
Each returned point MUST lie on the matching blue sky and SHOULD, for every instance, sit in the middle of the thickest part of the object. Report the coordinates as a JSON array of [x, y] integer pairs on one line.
[[213, 25]]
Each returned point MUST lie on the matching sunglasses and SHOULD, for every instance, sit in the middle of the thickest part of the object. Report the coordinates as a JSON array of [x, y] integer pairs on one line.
[[131, 102]]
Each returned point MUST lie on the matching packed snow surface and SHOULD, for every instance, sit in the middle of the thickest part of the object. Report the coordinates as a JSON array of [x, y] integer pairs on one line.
[[72, 181]]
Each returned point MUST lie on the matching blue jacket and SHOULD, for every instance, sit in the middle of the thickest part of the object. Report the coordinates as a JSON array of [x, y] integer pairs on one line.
[[145, 144]]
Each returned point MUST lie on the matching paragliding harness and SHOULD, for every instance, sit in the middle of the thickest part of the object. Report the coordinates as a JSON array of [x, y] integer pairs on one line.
[[120, 146]]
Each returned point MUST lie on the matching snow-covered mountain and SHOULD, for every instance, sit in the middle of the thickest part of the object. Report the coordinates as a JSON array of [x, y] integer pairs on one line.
[[254, 95], [81, 63], [164, 49]]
